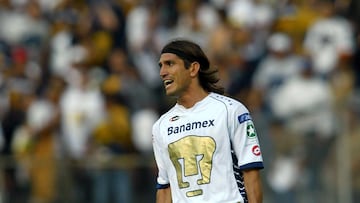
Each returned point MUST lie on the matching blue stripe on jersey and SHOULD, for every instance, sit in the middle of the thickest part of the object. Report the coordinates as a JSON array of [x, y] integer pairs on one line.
[[239, 176], [160, 186], [244, 117], [254, 165]]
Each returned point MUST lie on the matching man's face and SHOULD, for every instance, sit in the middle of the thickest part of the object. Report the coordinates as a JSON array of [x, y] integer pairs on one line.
[[176, 78]]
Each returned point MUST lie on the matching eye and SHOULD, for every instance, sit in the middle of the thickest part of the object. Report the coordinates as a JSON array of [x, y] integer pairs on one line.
[[169, 63], [166, 63]]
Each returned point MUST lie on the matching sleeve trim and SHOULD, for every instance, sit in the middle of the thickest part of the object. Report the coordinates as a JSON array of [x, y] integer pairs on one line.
[[162, 186], [254, 165]]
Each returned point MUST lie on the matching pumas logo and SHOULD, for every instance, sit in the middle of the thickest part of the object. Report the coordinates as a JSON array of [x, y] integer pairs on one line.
[[175, 118]]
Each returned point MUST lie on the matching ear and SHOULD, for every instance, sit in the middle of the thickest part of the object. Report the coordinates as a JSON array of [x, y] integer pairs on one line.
[[194, 69]]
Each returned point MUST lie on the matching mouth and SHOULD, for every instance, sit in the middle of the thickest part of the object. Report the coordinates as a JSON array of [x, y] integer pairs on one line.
[[167, 83]]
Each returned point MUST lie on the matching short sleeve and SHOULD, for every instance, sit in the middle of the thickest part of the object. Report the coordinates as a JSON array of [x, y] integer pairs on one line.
[[245, 140], [159, 152]]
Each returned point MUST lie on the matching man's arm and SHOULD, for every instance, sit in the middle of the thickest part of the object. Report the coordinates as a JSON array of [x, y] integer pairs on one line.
[[253, 185], [163, 195]]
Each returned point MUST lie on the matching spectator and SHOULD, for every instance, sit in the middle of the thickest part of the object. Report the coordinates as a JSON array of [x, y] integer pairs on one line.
[[23, 24], [329, 40], [19, 82], [280, 64], [143, 42], [112, 139], [352, 140], [13, 118], [294, 18], [82, 109], [109, 19], [306, 106], [37, 141], [124, 79], [248, 36], [136, 94]]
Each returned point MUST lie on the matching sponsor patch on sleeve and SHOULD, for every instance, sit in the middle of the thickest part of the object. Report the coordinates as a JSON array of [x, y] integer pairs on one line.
[[244, 117], [256, 150], [250, 130]]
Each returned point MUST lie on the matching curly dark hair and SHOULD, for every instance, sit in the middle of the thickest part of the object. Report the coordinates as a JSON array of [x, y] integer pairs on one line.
[[190, 52]]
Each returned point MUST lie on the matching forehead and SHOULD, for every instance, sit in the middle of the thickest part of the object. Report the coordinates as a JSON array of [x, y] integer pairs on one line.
[[168, 57]]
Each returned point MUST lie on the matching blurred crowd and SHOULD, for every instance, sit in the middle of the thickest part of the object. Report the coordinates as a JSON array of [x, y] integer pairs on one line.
[[80, 90]]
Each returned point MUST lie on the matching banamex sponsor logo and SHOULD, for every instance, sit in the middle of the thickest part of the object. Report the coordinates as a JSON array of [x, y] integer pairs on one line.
[[190, 126]]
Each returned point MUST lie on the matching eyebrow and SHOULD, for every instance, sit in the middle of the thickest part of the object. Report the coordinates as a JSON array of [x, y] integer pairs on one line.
[[165, 62]]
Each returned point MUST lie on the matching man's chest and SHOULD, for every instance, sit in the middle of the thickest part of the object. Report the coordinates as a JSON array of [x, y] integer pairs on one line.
[[178, 126]]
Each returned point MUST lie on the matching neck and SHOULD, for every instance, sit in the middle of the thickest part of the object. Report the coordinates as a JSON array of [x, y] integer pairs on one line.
[[188, 100]]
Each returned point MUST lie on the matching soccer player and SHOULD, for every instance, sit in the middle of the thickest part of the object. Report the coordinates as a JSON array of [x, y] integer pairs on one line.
[[205, 147]]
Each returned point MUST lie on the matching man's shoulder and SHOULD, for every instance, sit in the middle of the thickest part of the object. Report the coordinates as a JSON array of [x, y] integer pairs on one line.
[[228, 101]]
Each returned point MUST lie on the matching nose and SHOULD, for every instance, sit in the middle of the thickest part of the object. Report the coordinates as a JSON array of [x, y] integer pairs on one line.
[[163, 72]]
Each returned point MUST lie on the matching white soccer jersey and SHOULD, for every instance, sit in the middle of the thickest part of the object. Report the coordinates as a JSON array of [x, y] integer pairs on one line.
[[202, 150]]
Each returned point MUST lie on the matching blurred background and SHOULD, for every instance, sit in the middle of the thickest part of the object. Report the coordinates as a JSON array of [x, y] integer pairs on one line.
[[80, 90]]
